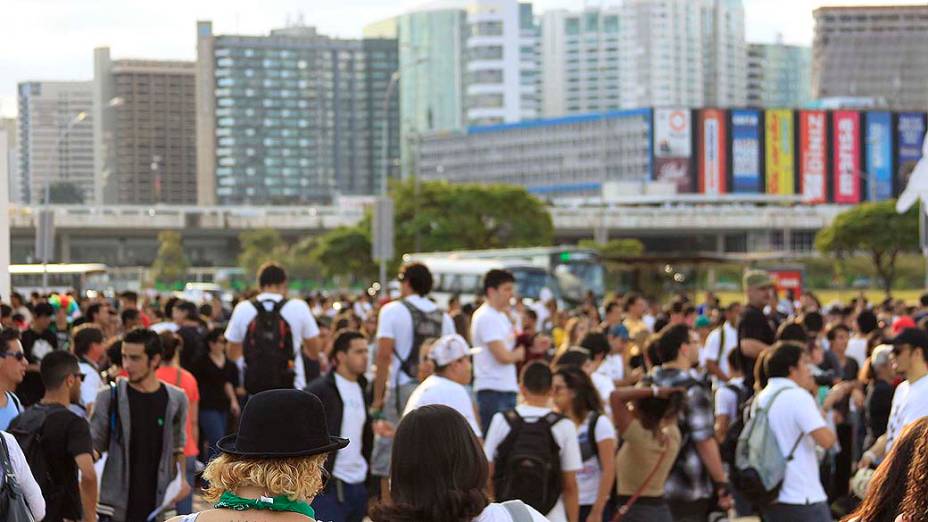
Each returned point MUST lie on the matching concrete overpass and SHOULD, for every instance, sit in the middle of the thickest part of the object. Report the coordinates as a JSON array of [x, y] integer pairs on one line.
[[127, 235]]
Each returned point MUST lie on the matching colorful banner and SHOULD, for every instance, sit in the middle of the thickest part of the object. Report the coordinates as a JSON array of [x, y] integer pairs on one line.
[[673, 149], [910, 133], [745, 151], [846, 171], [813, 161], [713, 162], [879, 162], [781, 157]]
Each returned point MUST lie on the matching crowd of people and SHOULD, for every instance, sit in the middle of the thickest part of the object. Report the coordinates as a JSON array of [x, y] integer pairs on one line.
[[492, 408]]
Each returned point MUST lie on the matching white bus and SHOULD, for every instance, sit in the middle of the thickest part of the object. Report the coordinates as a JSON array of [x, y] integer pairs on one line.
[[61, 277], [464, 278]]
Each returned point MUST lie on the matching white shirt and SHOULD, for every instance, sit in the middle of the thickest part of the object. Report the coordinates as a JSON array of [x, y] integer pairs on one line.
[[395, 322], [605, 387], [588, 478], [439, 390], [92, 383], [488, 325], [726, 400], [910, 403], [167, 326], [565, 434], [498, 513], [362, 309], [711, 350], [794, 414], [613, 367], [350, 465], [27, 483], [857, 350], [295, 312]]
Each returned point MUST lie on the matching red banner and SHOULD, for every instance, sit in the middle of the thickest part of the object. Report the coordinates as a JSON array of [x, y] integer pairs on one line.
[[847, 171], [813, 159], [713, 142]]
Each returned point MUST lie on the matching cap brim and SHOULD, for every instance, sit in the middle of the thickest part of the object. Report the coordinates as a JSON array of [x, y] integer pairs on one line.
[[227, 445]]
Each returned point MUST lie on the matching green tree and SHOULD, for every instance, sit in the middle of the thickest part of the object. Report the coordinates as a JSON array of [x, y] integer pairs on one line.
[[345, 251], [300, 263], [65, 193], [874, 229], [258, 247], [171, 264], [616, 248]]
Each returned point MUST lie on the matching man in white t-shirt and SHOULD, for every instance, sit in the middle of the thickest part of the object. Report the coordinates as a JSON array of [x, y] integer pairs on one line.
[[341, 391], [89, 349], [536, 391], [451, 356], [721, 342], [492, 331], [399, 339], [272, 280], [910, 401], [798, 425]]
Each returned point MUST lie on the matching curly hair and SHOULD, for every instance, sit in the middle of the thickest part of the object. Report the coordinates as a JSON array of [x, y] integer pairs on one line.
[[915, 504], [299, 478]]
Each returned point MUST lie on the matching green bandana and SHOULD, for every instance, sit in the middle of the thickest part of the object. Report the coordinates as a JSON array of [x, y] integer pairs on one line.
[[230, 500]]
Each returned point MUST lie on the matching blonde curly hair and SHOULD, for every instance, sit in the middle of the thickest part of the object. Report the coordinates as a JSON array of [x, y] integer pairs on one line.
[[299, 478]]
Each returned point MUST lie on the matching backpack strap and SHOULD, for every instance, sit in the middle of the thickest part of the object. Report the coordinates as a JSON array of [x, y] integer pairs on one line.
[[10, 396], [9, 475], [795, 447], [591, 434], [721, 343], [518, 511], [115, 422]]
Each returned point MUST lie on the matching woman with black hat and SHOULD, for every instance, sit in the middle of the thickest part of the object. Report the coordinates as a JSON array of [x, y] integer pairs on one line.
[[273, 467]]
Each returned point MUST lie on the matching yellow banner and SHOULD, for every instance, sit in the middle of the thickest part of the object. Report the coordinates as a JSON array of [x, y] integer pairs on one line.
[[781, 156]]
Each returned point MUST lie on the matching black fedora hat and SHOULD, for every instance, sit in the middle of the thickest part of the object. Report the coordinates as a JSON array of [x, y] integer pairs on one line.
[[281, 424]]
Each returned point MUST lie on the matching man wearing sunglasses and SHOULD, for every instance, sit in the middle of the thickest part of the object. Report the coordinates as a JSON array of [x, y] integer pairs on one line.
[[910, 401], [64, 443], [12, 370]]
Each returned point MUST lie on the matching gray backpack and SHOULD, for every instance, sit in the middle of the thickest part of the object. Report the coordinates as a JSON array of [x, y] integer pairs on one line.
[[759, 464]]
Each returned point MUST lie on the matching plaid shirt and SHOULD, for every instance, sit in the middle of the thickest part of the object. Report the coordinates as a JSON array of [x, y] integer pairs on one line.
[[688, 480]]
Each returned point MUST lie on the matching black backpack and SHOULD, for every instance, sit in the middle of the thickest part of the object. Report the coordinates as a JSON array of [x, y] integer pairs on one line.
[[588, 447], [268, 350], [528, 462], [425, 325], [27, 429], [736, 426]]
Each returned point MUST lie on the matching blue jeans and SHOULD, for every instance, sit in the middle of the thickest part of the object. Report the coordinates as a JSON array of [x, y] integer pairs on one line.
[[212, 428], [341, 502], [491, 402], [819, 512], [185, 506]]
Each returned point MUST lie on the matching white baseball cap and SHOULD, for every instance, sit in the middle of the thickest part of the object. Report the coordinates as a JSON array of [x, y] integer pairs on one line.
[[449, 349]]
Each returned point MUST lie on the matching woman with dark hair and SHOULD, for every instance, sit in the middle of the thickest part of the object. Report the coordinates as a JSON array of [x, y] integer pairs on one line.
[[439, 473], [217, 378], [651, 442], [576, 398], [900, 484]]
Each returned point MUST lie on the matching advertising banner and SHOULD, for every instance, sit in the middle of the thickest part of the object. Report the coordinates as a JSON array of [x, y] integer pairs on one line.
[[713, 161], [745, 151], [879, 162], [780, 154], [910, 133], [673, 149], [846, 164], [813, 159]]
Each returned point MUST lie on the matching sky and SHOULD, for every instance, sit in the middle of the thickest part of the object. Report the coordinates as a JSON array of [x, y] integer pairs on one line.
[[54, 39]]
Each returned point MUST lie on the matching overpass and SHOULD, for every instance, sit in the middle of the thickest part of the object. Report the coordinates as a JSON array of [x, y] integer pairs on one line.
[[127, 235]]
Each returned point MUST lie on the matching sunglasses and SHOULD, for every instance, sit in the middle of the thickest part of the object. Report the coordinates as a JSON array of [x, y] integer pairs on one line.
[[80, 376], [19, 356]]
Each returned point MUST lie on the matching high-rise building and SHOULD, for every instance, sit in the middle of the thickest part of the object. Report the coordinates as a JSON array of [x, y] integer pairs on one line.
[[687, 53], [580, 60], [292, 117], [779, 75], [145, 136], [872, 52], [14, 185], [56, 141]]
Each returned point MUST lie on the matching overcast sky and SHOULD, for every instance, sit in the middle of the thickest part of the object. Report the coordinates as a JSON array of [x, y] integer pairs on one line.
[[54, 39]]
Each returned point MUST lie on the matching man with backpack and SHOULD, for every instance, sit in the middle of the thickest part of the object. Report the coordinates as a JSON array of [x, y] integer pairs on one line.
[[270, 334], [776, 465], [697, 475], [57, 443], [403, 325], [534, 453], [731, 399]]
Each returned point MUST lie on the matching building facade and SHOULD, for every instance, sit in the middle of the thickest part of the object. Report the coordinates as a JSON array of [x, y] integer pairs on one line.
[[568, 156], [779, 75], [14, 183], [56, 140], [580, 60], [145, 137], [290, 118], [873, 52]]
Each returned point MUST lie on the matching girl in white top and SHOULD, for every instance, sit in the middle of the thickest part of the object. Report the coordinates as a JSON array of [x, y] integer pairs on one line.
[[576, 398], [439, 473]]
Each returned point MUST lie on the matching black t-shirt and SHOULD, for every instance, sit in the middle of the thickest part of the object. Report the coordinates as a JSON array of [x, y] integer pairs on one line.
[[35, 346], [753, 325], [147, 418], [212, 380], [193, 346], [65, 436]]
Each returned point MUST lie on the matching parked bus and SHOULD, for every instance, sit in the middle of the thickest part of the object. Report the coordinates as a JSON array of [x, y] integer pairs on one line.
[[62, 277]]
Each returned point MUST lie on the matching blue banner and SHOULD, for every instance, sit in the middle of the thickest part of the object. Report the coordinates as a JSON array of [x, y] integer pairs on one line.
[[910, 132], [879, 164], [745, 151]]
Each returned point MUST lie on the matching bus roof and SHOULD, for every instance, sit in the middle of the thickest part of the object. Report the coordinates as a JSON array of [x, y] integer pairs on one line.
[[60, 268], [501, 253]]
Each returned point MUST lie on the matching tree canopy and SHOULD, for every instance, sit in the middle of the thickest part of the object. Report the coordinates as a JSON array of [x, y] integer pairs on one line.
[[171, 264]]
